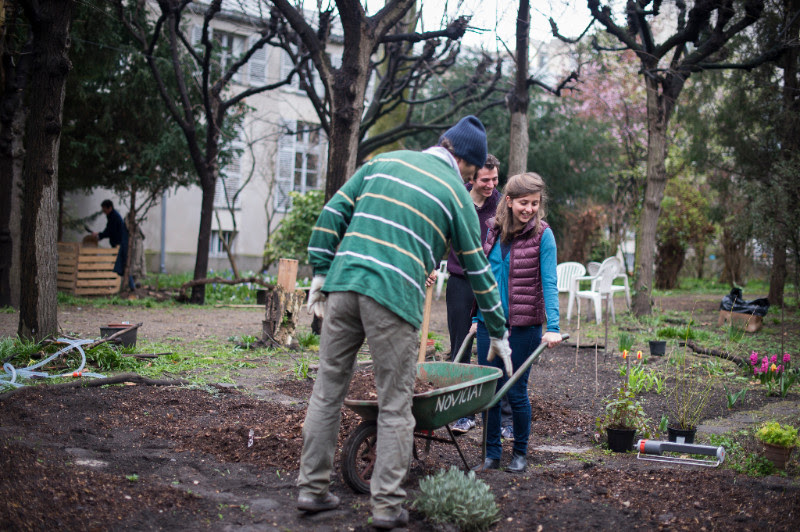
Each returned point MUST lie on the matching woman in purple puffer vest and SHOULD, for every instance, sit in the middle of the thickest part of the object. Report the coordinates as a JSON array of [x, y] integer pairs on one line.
[[522, 254]]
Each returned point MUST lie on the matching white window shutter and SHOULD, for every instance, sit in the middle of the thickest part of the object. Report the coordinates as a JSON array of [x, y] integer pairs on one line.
[[284, 176], [197, 35], [257, 65], [230, 179], [237, 52], [286, 66]]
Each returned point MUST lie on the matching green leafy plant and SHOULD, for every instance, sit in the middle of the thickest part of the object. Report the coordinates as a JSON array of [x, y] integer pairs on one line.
[[641, 379], [774, 433], [625, 341], [733, 397], [291, 238], [738, 459], [301, 368], [459, 498], [308, 341], [132, 478], [624, 411]]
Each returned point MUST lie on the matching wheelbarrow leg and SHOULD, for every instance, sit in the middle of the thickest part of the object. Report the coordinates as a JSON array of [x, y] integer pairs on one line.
[[458, 447]]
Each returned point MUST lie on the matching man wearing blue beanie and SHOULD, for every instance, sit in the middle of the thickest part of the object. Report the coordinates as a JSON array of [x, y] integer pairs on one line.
[[372, 248], [468, 141]]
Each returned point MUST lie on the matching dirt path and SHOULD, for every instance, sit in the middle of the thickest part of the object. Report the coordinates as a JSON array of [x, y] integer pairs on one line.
[[155, 458]]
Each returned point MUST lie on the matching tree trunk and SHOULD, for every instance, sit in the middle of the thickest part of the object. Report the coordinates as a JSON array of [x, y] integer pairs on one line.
[[347, 106], [700, 252], [13, 115], [133, 228], [518, 100], [777, 277], [204, 238], [733, 258], [790, 130], [50, 22], [657, 119], [670, 262]]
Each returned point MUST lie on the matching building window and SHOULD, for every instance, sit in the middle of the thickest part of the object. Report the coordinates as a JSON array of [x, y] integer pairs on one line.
[[229, 47], [218, 240], [227, 194], [301, 152]]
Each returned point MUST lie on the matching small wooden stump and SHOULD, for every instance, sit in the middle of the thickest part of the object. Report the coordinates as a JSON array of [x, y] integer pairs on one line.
[[283, 304], [280, 322]]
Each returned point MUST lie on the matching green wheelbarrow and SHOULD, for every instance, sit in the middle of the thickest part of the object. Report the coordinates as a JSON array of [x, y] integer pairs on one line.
[[460, 390]]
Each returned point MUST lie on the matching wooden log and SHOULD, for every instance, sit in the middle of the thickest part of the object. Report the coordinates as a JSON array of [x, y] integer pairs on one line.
[[742, 363], [287, 274]]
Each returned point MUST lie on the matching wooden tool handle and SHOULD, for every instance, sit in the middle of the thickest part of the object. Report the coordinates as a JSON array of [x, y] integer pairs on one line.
[[426, 318]]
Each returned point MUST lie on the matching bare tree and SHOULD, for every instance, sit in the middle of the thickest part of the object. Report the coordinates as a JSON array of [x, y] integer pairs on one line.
[[217, 99], [406, 80], [697, 44]]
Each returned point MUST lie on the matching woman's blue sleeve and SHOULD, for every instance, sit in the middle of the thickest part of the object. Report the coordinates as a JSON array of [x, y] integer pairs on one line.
[[547, 267]]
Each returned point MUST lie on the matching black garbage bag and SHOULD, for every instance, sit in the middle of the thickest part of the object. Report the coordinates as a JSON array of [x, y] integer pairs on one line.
[[733, 302]]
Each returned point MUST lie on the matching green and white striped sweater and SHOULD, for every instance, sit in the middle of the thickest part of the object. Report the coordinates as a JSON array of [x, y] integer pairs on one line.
[[391, 224]]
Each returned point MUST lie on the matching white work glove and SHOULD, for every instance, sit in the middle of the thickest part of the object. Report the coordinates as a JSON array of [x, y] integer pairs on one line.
[[316, 299], [499, 346]]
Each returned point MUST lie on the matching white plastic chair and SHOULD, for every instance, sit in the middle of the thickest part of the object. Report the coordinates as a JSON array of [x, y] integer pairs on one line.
[[441, 278], [620, 275], [567, 273], [592, 268], [601, 290]]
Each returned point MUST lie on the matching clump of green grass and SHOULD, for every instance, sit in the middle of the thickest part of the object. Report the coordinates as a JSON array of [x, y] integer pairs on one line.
[[308, 341]]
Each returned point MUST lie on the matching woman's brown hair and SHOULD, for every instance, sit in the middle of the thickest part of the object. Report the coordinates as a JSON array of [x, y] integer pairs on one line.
[[517, 186]]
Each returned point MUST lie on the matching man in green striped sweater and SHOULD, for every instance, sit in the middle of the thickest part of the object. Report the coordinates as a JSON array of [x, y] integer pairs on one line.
[[372, 248]]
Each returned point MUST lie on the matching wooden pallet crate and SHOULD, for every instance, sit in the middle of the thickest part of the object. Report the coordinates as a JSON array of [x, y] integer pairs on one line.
[[87, 271]]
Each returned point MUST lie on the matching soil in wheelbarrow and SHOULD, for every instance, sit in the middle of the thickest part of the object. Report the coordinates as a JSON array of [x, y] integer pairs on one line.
[[362, 386]]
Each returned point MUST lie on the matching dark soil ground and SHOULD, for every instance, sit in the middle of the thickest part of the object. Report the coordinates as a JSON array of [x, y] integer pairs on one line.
[[136, 457]]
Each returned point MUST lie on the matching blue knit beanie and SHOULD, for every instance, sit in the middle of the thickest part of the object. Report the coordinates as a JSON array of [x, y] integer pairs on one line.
[[468, 138]]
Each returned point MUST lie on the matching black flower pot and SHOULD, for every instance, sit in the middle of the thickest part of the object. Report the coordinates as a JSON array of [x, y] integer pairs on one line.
[[679, 435], [658, 347], [620, 440]]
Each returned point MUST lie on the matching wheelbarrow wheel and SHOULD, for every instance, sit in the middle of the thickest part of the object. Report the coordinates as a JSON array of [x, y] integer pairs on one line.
[[358, 456]]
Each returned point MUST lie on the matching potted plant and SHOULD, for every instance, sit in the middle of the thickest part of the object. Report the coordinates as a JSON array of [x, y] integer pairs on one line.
[[687, 399], [624, 415], [658, 347], [779, 441]]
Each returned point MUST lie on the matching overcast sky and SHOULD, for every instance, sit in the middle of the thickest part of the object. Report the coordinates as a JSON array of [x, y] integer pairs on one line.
[[498, 18]]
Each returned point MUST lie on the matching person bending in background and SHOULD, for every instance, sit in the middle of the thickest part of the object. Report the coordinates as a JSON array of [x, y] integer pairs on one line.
[[522, 254], [117, 234]]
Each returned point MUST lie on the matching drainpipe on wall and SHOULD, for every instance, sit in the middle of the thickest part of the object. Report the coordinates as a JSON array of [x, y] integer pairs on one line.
[[163, 265]]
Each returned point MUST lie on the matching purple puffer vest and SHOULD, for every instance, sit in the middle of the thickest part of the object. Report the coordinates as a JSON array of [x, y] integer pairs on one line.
[[526, 298]]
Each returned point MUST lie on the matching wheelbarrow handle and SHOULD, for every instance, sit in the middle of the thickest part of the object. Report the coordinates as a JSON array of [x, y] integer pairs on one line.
[[460, 354], [517, 374]]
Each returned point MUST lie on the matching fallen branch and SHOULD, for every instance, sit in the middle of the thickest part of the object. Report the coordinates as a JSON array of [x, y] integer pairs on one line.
[[146, 355], [116, 379], [220, 280], [720, 354]]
